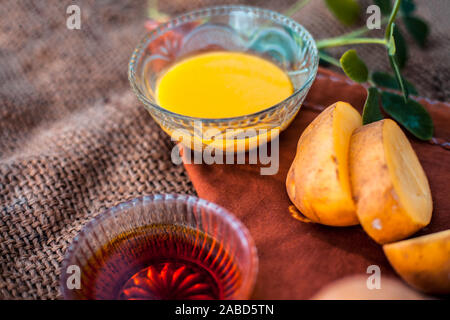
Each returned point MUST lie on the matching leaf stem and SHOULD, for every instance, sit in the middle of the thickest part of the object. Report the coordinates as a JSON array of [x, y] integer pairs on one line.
[[329, 59], [392, 19], [295, 7], [342, 41], [362, 30]]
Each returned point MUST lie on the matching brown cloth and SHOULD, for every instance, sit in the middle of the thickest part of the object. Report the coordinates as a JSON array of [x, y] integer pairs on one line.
[[296, 259], [74, 140]]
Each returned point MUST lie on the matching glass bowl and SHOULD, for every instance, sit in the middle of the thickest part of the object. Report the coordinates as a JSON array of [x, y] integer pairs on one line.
[[161, 247], [231, 28]]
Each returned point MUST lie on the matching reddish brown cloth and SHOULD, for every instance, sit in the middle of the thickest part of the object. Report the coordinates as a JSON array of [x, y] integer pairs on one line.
[[297, 259]]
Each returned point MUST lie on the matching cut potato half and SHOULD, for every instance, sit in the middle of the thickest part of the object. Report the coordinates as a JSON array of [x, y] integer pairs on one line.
[[390, 188], [318, 179], [423, 262]]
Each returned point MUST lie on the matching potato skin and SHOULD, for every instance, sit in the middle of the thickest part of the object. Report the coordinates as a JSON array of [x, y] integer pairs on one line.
[[313, 182], [378, 208], [423, 262]]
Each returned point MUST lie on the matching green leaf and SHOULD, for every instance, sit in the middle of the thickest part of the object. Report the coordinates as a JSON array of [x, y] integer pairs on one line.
[[418, 28], [347, 11], [386, 80], [410, 114], [371, 111], [385, 6], [401, 48], [354, 67], [407, 7]]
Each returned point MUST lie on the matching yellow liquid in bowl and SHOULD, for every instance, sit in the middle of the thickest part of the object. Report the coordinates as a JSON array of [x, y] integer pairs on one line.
[[219, 85], [222, 85]]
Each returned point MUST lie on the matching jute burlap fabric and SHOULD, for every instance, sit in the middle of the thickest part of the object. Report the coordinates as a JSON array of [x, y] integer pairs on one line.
[[73, 138]]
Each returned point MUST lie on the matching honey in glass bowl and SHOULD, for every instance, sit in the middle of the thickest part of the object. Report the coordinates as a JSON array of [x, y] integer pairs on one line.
[[161, 262], [161, 247]]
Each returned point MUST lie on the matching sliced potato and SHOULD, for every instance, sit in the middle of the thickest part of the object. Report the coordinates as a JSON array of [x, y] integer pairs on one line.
[[355, 288], [423, 262], [393, 198], [318, 179]]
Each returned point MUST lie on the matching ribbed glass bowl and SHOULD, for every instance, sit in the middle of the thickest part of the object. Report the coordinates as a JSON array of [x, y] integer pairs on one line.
[[228, 252], [232, 28]]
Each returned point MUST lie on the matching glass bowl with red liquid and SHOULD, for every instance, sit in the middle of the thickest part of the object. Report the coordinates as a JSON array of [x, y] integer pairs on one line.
[[161, 247]]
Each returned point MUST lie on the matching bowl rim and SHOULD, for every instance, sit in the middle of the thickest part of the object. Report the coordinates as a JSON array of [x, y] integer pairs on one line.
[[193, 15], [230, 218]]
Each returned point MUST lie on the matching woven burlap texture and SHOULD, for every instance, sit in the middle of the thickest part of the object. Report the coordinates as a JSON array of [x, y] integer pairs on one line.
[[73, 138]]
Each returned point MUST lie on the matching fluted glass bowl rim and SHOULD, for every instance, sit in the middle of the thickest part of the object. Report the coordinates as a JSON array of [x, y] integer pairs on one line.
[[235, 224], [205, 12]]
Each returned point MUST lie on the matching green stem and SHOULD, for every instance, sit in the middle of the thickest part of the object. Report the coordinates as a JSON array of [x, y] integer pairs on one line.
[[362, 31], [391, 19], [329, 59], [342, 41], [295, 7]]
